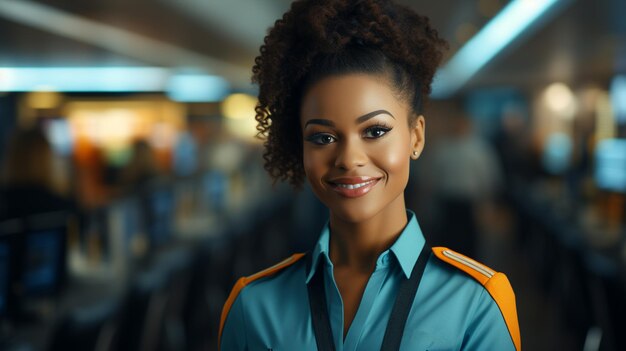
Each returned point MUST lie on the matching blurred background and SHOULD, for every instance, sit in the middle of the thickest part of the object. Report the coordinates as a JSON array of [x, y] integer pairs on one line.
[[133, 195]]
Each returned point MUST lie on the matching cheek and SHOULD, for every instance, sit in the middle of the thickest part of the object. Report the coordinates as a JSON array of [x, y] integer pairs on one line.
[[314, 164], [394, 159], [315, 168]]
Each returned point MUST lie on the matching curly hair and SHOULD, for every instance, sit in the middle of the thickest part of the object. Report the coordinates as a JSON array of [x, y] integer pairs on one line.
[[319, 38]]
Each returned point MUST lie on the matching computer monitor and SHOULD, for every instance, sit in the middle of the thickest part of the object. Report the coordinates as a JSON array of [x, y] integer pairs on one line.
[[43, 254], [42, 262], [610, 165], [32, 261]]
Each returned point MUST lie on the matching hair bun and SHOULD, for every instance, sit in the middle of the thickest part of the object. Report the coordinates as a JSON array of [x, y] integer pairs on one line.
[[333, 24]]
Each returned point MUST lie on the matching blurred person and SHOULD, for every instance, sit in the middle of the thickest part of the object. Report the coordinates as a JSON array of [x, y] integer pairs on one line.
[[185, 155], [341, 87], [30, 184], [225, 160], [91, 190], [513, 147], [467, 179], [141, 178], [140, 169]]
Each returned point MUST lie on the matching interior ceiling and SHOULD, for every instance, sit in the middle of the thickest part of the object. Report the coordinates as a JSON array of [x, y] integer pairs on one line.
[[579, 45]]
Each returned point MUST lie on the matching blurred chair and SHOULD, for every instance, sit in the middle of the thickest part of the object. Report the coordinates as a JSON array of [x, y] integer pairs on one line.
[[92, 328], [205, 297], [142, 308], [607, 301], [178, 263], [152, 316]]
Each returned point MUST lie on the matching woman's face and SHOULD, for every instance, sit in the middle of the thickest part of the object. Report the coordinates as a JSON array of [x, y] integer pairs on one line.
[[357, 145]]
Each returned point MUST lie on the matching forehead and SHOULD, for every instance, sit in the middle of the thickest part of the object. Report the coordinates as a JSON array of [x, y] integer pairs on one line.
[[350, 96]]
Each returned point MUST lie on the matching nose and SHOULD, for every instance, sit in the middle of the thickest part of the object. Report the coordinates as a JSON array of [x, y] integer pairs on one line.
[[350, 154]]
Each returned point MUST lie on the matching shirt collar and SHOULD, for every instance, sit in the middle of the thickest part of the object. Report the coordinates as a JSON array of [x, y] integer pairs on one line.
[[409, 244], [406, 249], [321, 249]]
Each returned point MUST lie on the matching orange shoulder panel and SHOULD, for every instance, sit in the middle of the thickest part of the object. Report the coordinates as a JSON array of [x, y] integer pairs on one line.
[[243, 281], [496, 284]]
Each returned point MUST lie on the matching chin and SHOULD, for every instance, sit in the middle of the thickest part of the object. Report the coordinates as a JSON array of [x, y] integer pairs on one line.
[[354, 212]]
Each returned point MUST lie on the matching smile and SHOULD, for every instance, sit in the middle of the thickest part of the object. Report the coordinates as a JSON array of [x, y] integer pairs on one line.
[[355, 186], [352, 189]]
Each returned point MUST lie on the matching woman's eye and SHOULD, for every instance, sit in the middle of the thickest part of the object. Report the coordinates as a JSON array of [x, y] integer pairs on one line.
[[321, 139], [376, 132]]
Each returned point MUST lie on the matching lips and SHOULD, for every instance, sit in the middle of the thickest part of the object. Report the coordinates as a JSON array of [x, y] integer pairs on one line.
[[352, 187]]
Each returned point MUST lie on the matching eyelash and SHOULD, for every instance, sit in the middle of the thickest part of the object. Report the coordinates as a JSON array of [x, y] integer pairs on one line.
[[379, 127], [316, 138]]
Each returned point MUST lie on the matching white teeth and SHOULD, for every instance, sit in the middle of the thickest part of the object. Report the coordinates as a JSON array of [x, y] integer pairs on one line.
[[354, 186]]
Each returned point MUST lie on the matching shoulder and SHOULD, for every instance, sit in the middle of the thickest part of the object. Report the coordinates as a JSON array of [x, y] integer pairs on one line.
[[495, 283], [478, 271], [263, 279]]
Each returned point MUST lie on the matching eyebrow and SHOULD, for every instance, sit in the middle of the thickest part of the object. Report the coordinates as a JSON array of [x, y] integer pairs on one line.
[[365, 117], [323, 122]]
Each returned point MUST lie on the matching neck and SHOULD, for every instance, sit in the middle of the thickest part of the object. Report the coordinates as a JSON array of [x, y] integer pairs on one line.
[[357, 245]]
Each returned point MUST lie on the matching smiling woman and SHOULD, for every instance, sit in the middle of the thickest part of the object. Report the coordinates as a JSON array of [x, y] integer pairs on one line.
[[355, 145], [342, 85]]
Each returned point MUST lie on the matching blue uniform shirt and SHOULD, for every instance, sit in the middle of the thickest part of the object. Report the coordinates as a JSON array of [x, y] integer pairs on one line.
[[451, 311]]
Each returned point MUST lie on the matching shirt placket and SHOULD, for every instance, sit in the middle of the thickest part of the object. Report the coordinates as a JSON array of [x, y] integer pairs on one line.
[[335, 306], [370, 294]]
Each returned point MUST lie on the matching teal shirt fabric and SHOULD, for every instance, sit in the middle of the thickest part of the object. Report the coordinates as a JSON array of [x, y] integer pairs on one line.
[[451, 310]]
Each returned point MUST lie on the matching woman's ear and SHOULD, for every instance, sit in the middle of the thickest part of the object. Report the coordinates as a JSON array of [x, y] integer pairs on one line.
[[418, 136]]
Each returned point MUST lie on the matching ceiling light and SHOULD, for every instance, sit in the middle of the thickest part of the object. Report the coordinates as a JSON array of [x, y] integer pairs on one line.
[[516, 18], [560, 100], [115, 39], [197, 88], [83, 79]]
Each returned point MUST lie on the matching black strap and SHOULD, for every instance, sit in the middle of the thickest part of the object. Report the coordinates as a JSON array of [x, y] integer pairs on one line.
[[404, 301], [399, 313], [319, 311]]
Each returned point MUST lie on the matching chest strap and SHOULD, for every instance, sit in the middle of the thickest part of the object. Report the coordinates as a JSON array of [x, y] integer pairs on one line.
[[399, 312]]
